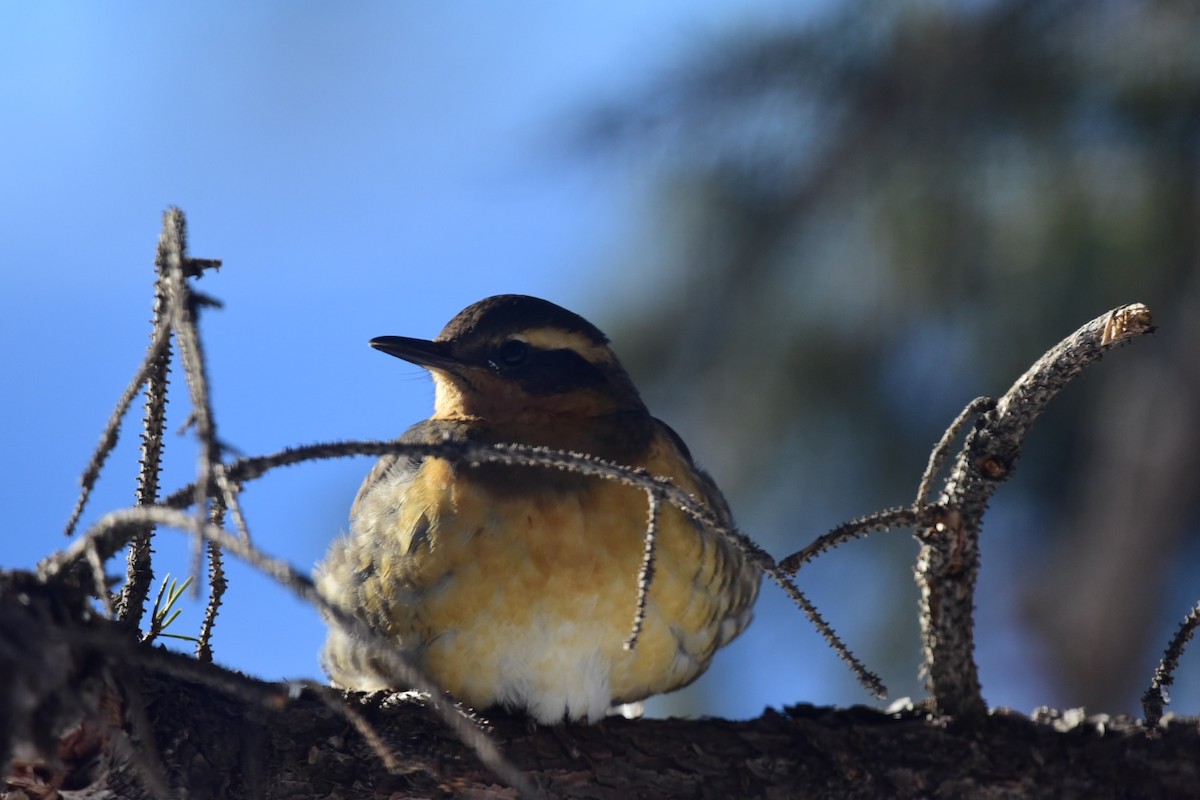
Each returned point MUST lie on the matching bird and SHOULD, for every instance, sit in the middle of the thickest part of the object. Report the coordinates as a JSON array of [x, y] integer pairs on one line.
[[514, 587]]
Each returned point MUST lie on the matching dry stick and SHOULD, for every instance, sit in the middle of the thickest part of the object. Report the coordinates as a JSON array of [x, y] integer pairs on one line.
[[941, 450], [646, 571], [112, 429], [100, 581], [948, 562], [171, 259], [1155, 699], [229, 493], [216, 586], [113, 530], [183, 306], [247, 469], [920, 514], [216, 568], [139, 573], [886, 520]]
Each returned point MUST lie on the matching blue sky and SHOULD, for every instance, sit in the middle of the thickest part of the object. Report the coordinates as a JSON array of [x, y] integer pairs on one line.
[[362, 169]]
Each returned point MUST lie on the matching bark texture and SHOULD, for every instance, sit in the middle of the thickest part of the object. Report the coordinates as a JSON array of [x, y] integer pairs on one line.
[[91, 713]]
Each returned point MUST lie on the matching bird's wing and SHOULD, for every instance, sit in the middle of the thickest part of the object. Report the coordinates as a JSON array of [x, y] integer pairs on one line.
[[430, 431], [712, 493]]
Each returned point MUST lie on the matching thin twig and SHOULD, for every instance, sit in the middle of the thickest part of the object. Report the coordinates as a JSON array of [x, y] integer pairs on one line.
[[184, 320], [229, 498], [112, 429], [216, 586], [139, 571], [867, 679], [646, 571], [937, 458], [886, 520], [100, 580], [1155, 699]]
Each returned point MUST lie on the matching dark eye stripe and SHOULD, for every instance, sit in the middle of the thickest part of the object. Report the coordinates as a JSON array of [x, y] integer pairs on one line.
[[513, 353], [554, 372]]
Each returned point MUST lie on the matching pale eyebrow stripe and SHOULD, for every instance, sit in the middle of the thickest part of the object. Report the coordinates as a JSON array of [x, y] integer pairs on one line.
[[556, 339]]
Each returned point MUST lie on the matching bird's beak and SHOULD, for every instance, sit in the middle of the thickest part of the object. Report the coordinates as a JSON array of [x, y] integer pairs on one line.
[[422, 352]]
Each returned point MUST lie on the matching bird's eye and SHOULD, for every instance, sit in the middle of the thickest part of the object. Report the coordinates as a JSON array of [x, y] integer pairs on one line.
[[513, 353]]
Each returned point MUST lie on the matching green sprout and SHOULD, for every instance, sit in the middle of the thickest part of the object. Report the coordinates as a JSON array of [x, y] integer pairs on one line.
[[162, 615]]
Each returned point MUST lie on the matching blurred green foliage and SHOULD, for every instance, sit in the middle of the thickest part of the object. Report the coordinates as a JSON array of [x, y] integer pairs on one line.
[[860, 225]]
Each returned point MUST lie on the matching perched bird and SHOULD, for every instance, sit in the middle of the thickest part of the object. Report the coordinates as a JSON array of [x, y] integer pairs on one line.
[[516, 586]]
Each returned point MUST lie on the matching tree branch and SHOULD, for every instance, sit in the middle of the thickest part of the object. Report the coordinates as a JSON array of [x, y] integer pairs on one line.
[[948, 562], [221, 734]]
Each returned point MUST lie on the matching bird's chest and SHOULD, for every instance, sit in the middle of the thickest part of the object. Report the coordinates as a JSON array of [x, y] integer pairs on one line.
[[523, 537]]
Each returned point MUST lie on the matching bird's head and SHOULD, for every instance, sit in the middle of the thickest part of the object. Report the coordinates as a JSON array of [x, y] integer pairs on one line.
[[513, 359]]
